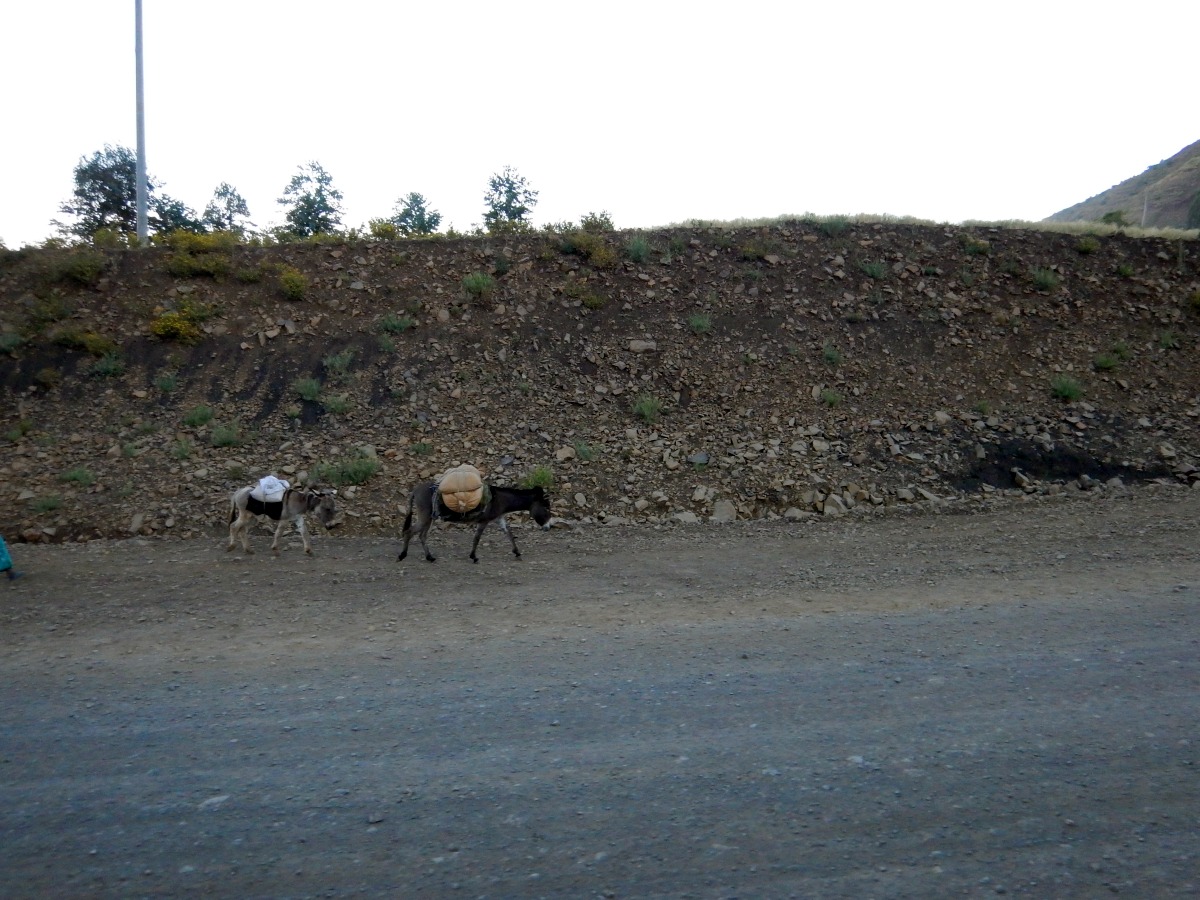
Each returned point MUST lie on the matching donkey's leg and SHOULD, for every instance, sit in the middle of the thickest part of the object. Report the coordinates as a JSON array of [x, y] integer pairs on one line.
[[242, 528], [475, 543], [303, 535], [278, 532], [512, 537], [406, 530], [233, 520], [423, 534], [406, 534]]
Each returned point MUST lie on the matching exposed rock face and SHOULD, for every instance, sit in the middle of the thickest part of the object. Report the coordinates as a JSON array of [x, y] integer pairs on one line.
[[767, 372]]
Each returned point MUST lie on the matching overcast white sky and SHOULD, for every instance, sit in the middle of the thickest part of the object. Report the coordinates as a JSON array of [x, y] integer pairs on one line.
[[657, 112]]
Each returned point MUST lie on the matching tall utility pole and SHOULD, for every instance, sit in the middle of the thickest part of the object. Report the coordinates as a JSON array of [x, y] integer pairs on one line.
[[143, 224]]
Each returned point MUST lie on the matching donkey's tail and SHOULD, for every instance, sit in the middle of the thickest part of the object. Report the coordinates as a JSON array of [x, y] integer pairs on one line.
[[408, 518]]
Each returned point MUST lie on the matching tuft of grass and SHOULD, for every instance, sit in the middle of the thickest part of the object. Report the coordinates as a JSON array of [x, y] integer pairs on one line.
[[198, 416], [182, 448], [479, 285], [873, 270], [18, 431], [46, 504], [700, 323], [1064, 387], [385, 344], [336, 404], [1044, 279], [350, 471], [48, 377], [338, 364], [167, 382], [1086, 245], [10, 341], [78, 476], [539, 476], [185, 264], [832, 226], [983, 408], [87, 341], [637, 249], [201, 242], [830, 397], [590, 245], [393, 324], [420, 448], [1105, 361], [831, 354], [178, 326], [227, 435], [1125, 270], [307, 388], [648, 408], [110, 365], [1121, 351], [754, 250], [48, 310], [85, 268], [1168, 340], [584, 451], [976, 246], [293, 283]]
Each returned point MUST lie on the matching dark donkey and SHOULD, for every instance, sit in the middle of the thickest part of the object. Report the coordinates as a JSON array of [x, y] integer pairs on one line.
[[425, 505]]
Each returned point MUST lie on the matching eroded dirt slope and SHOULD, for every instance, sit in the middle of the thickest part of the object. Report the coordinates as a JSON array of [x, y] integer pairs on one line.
[[794, 370]]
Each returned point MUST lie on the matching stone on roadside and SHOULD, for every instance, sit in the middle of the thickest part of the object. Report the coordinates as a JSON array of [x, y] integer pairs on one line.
[[723, 511]]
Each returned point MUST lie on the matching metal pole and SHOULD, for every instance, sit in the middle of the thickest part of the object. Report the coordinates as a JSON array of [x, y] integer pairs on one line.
[[143, 225]]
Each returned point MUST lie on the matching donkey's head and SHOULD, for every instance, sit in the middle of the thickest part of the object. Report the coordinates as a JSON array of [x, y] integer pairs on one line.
[[539, 510], [322, 503]]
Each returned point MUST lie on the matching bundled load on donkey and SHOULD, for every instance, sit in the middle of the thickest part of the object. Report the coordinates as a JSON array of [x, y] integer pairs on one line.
[[462, 489], [270, 489]]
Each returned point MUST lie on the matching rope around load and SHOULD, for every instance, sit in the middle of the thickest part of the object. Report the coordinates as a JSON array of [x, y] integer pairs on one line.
[[435, 503]]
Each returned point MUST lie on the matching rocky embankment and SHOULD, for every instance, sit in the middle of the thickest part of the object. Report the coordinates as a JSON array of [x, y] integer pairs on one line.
[[810, 368]]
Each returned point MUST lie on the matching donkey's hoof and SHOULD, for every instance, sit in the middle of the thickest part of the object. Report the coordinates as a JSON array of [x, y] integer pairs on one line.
[[230, 547], [429, 557], [403, 554], [248, 551]]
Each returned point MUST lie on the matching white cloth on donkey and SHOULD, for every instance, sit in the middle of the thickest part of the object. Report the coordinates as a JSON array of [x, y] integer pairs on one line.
[[270, 489], [461, 488]]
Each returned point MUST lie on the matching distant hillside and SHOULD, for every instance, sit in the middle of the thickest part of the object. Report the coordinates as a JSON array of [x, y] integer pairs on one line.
[[1163, 194]]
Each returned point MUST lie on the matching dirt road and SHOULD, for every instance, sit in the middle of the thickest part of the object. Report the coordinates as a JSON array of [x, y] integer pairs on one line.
[[1003, 702]]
